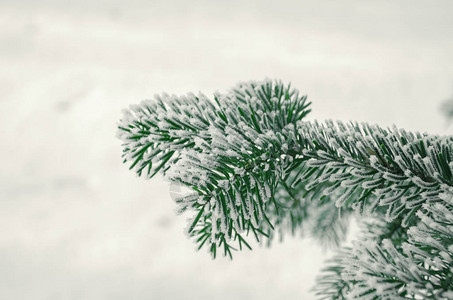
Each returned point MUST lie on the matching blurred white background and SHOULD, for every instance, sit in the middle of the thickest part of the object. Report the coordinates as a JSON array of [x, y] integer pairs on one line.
[[76, 224]]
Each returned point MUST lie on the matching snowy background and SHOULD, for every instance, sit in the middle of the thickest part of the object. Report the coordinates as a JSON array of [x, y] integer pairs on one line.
[[76, 224]]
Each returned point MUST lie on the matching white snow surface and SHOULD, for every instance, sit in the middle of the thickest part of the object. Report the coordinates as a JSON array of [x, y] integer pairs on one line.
[[77, 224]]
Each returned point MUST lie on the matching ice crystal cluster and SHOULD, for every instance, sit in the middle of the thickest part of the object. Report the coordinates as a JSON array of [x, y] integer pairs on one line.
[[257, 168]]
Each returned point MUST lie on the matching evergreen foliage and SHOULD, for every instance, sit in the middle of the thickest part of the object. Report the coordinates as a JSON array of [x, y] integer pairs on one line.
[[256, 167]]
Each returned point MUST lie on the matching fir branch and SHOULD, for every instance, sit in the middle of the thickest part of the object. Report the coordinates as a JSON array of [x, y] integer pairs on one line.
[[394, 169], [330, 284], [419, 268], [256, 167], [229, 152]]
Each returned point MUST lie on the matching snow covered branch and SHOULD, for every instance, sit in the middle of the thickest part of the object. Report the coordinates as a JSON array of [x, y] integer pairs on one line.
[[255, 166]]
